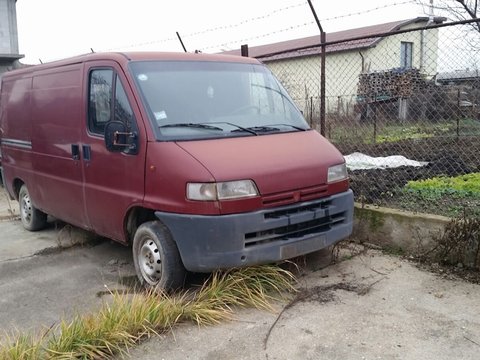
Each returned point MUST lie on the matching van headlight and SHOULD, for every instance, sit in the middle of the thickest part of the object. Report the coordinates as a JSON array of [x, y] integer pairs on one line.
[[221, 190], [337, 173]]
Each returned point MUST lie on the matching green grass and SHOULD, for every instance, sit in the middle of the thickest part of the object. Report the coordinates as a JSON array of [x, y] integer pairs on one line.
[[127, 319], [435, 188], [364, 133], [449, 196], [398, 133], [467, 126], [20, 346]]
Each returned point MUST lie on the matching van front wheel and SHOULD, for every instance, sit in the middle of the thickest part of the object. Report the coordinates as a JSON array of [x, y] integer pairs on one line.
[[156, 257], [32, 218]]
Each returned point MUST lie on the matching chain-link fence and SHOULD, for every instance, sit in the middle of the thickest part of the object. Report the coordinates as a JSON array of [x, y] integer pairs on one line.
[[405, 91]]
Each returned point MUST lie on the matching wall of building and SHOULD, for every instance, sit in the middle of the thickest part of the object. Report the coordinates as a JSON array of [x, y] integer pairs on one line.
[[301, 76], [8, 27], [386, 55]]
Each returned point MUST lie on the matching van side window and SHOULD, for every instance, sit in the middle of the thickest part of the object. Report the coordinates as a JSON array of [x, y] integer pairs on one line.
[[123, 110], [101, 107], [100, 104]]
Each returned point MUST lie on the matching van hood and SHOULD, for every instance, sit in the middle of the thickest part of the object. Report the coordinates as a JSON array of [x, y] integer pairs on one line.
[[276, 162]]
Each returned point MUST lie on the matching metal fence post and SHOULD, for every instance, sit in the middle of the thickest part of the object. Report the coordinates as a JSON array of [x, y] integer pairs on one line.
[[322, 69], [322, 83], [244, 50]]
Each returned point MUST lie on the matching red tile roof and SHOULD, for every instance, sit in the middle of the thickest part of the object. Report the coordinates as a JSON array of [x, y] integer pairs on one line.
[[287, 49]]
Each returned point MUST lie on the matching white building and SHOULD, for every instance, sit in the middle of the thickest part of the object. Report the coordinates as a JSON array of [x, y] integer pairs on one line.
[[297, 62]]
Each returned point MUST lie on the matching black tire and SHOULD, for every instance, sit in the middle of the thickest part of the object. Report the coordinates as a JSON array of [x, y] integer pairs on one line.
[[32, 218], [157, 260]]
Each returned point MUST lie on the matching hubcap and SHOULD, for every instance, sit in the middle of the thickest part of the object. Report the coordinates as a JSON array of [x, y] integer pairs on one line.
[[26, 208], [150, 261]]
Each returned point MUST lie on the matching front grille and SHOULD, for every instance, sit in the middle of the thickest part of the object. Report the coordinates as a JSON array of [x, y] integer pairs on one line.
[[296, 210], [290, 197], [293, 231]]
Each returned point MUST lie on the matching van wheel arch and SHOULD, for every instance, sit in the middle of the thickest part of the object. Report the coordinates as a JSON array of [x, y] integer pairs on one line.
[[17, 185], [135, 217]]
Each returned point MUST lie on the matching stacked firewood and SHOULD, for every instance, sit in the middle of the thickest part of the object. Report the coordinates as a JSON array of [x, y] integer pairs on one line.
[[395, 83]]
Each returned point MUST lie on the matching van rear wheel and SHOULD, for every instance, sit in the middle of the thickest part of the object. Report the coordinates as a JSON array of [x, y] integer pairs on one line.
[[32, 218], [156, 257]]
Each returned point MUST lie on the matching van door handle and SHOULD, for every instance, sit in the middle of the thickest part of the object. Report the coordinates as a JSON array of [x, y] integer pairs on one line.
[[75, 152], [86, 152]]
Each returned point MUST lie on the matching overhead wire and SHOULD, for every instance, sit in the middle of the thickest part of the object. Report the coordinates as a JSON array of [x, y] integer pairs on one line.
[[226, 44], [362, 12], [216, 28], [262, 17]]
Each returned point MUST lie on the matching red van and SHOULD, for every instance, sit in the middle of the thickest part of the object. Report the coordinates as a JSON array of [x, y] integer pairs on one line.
[[200, 162]]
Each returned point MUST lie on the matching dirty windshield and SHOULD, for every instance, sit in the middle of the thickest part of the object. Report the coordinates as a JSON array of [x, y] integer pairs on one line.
[[189, 100]]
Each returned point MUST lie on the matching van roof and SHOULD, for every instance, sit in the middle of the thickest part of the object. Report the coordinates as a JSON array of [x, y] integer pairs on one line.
[[124, 57]]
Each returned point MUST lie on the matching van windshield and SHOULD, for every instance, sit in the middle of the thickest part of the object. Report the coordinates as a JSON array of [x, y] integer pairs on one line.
[[189, 100]]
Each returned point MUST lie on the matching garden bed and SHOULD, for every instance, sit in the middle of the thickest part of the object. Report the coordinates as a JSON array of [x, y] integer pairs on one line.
[[448, 156]]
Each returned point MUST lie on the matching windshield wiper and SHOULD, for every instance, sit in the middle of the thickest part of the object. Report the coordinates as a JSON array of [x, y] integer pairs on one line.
[[257, 129], [240, 128], [292, 126], [193, 125]]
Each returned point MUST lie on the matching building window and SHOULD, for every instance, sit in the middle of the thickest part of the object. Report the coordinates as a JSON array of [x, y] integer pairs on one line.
[[406, 54]]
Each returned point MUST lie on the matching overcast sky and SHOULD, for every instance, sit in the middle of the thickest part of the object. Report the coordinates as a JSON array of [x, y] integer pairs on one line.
[[54, 29]]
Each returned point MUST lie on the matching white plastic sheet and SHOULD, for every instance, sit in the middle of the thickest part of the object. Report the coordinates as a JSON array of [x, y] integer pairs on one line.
[[359, 161]]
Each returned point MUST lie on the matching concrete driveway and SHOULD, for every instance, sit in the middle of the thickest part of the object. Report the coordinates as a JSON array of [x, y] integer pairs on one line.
[[54, 272], [367, 306], [371, 306]]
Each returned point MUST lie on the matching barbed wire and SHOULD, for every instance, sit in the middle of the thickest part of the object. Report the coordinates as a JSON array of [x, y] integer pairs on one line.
[[216, 28], [225, 44], [246, 21], [362, 12], [142, 44], [261, 17]]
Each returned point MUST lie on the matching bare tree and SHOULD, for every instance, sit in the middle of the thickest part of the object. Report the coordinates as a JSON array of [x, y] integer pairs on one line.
[[458, 10], [455, 9]]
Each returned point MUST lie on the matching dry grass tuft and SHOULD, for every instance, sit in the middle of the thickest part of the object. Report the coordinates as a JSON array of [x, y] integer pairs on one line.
[[20, 346], [127, 319]]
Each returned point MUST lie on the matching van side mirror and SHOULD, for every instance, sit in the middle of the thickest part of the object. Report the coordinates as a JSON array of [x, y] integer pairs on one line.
[[118, 138]]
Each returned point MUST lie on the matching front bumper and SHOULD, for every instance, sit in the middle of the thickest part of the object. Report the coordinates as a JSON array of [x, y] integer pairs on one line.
[[207, 243]]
